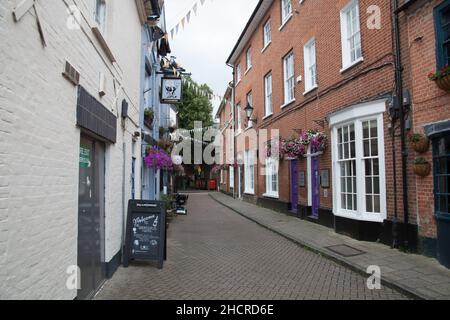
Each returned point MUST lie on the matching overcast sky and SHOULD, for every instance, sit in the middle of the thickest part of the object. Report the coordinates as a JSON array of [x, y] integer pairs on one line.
[[206, 42]]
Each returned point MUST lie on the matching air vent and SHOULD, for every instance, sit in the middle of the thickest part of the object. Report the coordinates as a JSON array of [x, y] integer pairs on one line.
[[71, 74]]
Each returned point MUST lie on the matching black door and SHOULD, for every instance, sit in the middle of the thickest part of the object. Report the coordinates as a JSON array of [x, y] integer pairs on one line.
[[91, 216]]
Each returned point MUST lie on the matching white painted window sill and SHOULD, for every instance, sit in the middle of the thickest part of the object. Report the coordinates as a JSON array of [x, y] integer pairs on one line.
[[310, 89], [355, 63], [248, 70], [367, 217], [249, 192], [271, 195], [287, 104], [288, 18], [268, 116], [265, 48], [238, 132]]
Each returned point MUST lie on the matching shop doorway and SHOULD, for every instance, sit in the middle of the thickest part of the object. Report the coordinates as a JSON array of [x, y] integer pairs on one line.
[[91, 213]]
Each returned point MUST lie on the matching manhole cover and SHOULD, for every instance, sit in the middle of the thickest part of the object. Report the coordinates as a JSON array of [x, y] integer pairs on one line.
[[346, 251]]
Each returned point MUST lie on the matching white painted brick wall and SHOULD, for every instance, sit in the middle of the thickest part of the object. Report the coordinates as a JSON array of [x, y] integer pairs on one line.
[[39, 141]]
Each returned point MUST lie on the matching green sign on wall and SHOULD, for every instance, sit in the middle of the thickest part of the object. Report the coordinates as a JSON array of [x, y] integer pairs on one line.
[[85, 157]]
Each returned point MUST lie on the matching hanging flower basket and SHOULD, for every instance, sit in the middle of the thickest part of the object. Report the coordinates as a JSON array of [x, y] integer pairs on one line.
[[158, 159], [297, 148], [420, 143], [441, 78], [149, 116], [422, 168]]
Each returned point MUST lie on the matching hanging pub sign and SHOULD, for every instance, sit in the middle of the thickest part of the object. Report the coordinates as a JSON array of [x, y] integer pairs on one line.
[[146, 232], [171, 90]]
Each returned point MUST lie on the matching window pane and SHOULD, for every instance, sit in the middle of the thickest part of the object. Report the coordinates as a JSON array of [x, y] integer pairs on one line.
[[374, 147], [376, 185], [343, 185], [369, 204], [376, 204], [366, 130], [366, 148], [376, 167], [344, 202], [369, 189]]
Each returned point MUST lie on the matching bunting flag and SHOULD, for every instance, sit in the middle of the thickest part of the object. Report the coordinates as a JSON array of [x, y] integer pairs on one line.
[[186, 19]]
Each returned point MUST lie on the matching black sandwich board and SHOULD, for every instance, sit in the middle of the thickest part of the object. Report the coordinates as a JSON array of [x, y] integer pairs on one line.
[[146, 232]]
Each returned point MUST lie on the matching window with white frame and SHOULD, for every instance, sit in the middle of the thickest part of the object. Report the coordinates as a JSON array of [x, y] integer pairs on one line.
[[249, 58], [249, 167], [289, 78], [286, 10], [272, 166], [358, 164], [310, 65], [238, 73], [267, 34], [231, 177], [100, 14], [268, 94], [350, 34]]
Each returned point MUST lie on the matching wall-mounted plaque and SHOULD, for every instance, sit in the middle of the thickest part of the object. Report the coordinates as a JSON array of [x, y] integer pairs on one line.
[[301, 179], [325, 178], [171, 90]]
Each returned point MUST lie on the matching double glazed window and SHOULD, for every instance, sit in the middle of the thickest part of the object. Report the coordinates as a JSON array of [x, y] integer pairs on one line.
[[310, 65], [268, 94], [289, 78], [351, 34], [249, 162], [286, 10], [442, 21], [441, 153], [358, 165]]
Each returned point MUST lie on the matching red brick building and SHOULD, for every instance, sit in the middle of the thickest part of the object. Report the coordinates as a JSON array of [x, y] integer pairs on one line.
[[425, 31], [301, 67]]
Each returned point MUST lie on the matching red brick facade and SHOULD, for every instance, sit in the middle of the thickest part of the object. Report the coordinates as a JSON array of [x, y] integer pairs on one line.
[[371, 79]]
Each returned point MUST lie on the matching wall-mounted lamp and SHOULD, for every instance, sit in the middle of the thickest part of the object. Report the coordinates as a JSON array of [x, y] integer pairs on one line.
[[249, 113]]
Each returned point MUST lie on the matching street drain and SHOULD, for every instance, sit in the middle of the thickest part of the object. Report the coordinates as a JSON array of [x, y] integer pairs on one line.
[[346, 251]]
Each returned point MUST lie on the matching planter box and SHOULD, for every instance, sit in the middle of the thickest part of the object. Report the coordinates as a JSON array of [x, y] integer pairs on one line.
[[421, 146]]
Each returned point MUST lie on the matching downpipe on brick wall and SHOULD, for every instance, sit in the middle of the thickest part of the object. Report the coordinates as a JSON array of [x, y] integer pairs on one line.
[[404, 153]]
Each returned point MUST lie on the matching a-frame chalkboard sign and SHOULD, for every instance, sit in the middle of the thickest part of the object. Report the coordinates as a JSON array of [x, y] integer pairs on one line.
[[146, 232]]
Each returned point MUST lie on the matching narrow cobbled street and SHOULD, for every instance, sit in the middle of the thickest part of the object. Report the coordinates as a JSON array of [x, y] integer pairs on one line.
[[214, 253]]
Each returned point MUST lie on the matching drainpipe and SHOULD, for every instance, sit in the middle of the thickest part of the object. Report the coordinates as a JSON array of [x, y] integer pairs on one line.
[[233, 115], [399, 93]]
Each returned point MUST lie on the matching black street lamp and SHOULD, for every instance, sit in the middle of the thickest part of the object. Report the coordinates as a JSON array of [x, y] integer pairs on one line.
[[249, 111]]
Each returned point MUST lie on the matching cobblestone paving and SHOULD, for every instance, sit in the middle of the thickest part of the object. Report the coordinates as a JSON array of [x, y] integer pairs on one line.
[[214, 253]]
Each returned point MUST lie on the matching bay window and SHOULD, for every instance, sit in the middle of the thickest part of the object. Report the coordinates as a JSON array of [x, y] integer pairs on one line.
[[358, 163]]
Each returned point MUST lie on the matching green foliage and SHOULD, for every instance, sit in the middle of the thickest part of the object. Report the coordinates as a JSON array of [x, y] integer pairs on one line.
[[168, 201], [420, 161], [195, 105]]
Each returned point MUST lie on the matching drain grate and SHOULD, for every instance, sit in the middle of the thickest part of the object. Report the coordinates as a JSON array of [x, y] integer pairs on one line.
[[346, 251]]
